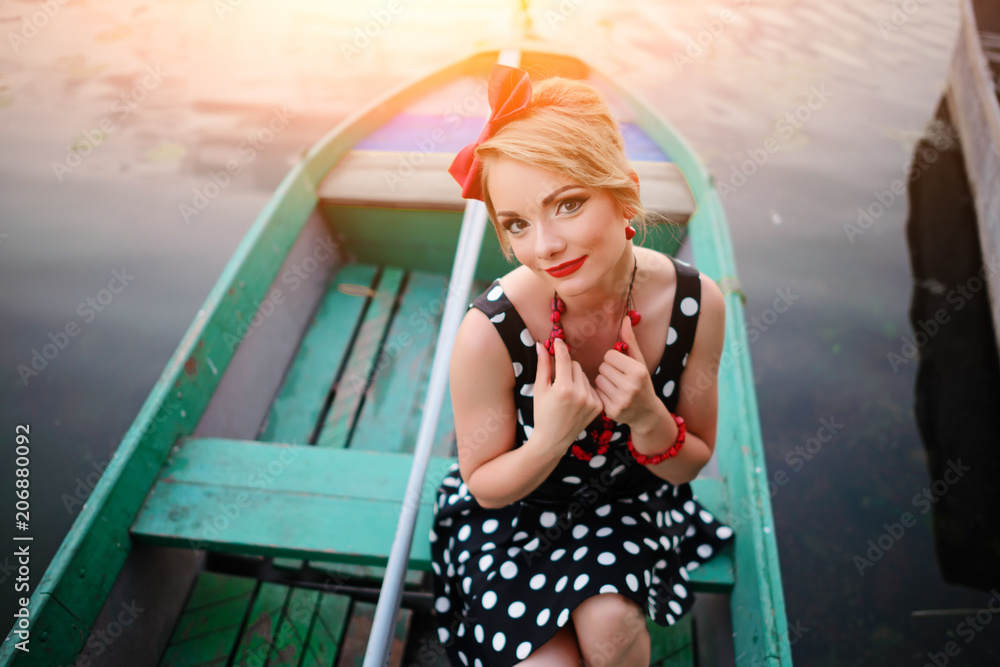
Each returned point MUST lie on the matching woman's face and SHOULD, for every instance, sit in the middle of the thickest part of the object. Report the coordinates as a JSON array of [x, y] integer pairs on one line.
[[551, 219]]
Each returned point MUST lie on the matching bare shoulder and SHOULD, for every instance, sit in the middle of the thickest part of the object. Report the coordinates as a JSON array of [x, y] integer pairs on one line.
[[713, 304], [658, 265], [517, 284], [479, 355], [481, 380], [711, 330]]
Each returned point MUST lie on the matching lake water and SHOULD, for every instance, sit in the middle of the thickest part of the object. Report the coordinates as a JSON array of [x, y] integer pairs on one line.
[[94, 244]]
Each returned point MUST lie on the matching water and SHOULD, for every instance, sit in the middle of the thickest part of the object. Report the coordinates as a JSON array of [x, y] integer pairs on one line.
[[179, 87]]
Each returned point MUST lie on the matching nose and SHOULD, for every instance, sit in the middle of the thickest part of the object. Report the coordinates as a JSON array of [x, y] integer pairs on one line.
[[548, 242]]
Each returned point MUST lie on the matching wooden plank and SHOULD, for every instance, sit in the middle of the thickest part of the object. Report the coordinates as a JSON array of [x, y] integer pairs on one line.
[[289, 563], [683, 657], [975, 110], [290, 643], [327, 630], [279, 467], [664, 191], [260, 631], [258, 466], [671, 646], [360, 179], [371, 573], [348, 530], [210, 623], [297, 408], [352, 652], [212, 588], [348, 502], [393, 406], [210, 619], [210, 649], [353, 382]]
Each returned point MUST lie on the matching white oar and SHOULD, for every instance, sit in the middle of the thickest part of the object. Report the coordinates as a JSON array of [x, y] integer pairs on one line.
[[470, 240]]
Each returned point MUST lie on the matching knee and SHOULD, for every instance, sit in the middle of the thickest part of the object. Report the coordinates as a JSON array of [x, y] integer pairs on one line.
[[610, 628]]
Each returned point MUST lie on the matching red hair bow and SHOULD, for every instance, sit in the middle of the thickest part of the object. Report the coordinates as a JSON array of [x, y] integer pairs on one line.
[[509, 93]]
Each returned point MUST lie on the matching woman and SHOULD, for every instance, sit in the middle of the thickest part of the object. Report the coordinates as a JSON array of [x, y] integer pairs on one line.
[[569, 516]]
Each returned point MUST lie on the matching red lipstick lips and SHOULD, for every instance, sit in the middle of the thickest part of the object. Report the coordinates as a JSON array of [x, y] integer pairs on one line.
[[566, 268]]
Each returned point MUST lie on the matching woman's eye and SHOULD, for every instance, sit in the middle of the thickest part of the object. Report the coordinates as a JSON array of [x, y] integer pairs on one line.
[[571, 205], [510, 224]]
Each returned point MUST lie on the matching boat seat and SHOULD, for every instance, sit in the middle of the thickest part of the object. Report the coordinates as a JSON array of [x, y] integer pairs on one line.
[[388, 179], [324, 504]]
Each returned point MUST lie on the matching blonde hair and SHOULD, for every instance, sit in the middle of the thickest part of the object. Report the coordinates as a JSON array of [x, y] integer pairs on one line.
[[566, 128]]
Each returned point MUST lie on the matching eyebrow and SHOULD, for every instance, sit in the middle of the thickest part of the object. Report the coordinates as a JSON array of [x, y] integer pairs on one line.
[[545, 202]]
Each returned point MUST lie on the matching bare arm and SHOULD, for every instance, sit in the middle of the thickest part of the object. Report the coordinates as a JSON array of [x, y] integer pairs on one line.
[[698, 401], [482, 390]]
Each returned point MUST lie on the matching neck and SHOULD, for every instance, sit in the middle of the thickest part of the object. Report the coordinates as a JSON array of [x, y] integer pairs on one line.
[[609, 294]]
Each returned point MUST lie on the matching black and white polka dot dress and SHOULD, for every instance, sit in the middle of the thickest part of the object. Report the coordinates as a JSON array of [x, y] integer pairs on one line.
[[507, 579]]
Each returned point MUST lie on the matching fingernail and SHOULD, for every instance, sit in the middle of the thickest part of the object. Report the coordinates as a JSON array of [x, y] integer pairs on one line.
[[538, 348]]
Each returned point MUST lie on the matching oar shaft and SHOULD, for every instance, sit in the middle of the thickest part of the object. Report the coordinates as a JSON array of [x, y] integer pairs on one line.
[[386, 611], [470, 241]]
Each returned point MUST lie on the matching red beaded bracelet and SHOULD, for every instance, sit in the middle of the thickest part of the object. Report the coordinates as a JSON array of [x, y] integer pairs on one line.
[[670, 453]]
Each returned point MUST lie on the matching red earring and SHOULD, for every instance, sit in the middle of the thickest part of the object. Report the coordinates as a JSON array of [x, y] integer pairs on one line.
[[629, 232]]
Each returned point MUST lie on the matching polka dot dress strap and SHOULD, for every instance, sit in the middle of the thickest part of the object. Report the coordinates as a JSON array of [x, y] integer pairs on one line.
[[494, 302], [683, 324]]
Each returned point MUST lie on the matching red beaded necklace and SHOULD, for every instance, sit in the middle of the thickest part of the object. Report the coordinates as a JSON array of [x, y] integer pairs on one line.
[[603, 438]]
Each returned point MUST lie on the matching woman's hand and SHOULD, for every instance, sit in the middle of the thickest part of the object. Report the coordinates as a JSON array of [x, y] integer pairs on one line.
[[624, 386], [566, 404]]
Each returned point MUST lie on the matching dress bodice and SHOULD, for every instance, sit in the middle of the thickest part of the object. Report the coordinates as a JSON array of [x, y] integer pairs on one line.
[[570, 476]]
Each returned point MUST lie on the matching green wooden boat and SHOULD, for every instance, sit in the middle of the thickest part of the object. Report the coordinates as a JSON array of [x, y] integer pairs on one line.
[[268, 488]]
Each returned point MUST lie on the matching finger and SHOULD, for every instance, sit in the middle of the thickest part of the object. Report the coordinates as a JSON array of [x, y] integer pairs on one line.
[[543, 372], [564, 364], [604, 398], [629, 337], [612, 374], [603, 385], [578, 375], [593, 389]]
